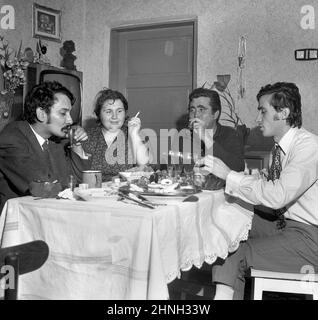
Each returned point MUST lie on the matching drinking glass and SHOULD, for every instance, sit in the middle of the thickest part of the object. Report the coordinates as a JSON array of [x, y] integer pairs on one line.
[[71, 136], [198, 178]]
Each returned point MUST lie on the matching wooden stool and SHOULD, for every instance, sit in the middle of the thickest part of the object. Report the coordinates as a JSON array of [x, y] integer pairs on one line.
[[302, 283]]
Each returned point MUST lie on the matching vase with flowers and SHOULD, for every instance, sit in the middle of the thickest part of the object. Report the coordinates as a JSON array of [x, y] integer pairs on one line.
[[12, 66], [229, 110]]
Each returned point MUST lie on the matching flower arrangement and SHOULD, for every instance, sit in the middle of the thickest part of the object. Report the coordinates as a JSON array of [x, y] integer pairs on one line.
[[12, 65], [230, 110], [221, 85]]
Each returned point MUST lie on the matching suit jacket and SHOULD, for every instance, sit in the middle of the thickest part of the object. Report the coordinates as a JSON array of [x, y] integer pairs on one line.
[[22, 161]]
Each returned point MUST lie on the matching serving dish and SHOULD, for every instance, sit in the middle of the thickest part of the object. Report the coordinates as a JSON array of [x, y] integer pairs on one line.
[[95, 194], [135, 175], [154, 192]]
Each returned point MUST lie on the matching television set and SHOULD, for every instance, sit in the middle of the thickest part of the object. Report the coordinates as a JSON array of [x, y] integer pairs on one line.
[[71, 79], [36, 74]]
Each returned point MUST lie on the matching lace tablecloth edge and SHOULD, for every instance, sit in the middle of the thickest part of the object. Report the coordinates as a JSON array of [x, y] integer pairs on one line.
[[208, 258]]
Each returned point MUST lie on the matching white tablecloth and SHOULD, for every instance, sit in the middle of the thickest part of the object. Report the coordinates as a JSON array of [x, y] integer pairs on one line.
[[113, 250]]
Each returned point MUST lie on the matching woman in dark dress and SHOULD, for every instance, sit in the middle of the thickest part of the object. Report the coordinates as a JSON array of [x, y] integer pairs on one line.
[[115, 144]]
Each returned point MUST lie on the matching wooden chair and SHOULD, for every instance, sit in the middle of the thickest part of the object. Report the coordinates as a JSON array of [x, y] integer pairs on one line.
[[301, 283], [20, 259]]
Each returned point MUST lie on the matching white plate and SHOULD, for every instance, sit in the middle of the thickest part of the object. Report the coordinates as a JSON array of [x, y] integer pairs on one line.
[[94, 193], [164, 199]]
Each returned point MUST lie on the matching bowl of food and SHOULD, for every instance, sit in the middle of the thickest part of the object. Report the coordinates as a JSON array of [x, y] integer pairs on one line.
[[135, 175]]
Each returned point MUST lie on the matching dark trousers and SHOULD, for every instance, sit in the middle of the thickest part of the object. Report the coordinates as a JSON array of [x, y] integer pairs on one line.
[[267, 248]]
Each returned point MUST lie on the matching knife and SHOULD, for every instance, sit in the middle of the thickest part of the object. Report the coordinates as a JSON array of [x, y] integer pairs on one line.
[[132, 199]]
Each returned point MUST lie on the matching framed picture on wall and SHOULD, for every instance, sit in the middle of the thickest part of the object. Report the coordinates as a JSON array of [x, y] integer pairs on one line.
[[46, 23]]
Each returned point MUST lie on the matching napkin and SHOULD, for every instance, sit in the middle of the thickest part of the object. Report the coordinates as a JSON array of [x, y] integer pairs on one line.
[[67, 194]]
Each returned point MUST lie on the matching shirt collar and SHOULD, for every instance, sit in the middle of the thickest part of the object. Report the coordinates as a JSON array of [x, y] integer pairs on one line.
[[40, 139], [287, 139]]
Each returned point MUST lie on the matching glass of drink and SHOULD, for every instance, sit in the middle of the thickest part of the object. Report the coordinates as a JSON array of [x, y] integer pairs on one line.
[[71, 136], [198, 177]]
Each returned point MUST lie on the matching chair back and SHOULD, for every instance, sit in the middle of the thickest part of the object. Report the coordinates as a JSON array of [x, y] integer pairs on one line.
[[18, 260]]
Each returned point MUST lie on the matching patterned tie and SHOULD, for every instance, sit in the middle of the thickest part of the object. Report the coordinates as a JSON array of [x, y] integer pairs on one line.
[[273, 174]]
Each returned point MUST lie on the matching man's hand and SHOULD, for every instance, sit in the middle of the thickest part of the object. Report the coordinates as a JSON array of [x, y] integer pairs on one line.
[[45, 189], [215, 166], [204, 134], [80, 135], [198, 127]]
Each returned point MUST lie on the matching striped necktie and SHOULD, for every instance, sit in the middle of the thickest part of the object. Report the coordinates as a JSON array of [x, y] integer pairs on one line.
[[273, 174]]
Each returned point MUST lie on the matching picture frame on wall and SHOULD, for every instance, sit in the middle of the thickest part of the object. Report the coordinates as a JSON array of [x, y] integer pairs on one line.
[[46, 23]]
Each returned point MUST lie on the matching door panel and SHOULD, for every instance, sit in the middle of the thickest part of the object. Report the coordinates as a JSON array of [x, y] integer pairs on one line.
[[163, 111], [155, 72], [171, 55]]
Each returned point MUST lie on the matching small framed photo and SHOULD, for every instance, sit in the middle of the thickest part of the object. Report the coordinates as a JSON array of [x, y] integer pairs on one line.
[[313, 54], [46, 23], [300, 54]]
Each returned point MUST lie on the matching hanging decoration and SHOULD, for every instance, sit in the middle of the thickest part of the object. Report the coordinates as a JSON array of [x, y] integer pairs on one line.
[[241, 54]]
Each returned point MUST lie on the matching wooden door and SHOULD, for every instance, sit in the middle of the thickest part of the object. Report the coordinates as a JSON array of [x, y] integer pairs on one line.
[[154, 68]]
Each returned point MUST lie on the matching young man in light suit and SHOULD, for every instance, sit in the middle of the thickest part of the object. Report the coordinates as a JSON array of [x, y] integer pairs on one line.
[[291, 191]]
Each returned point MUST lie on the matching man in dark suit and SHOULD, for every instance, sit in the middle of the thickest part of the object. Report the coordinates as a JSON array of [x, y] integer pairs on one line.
[[208, 136], [32, 150]]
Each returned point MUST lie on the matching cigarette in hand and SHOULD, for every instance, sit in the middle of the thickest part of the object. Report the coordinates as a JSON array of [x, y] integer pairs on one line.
[[137, 114]]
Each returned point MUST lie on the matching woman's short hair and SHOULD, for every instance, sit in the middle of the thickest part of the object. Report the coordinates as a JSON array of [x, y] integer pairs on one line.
[[43, 96], [108, 94], [284, 95]]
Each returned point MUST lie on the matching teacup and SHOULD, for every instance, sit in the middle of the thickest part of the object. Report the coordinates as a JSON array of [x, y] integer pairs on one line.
[[93, 178]]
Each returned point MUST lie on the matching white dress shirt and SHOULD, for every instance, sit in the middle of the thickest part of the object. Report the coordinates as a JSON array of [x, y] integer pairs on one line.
[[297, 187], [40, 139]]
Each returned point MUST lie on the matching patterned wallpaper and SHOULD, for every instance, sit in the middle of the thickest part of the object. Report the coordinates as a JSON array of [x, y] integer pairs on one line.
[[272, 29]]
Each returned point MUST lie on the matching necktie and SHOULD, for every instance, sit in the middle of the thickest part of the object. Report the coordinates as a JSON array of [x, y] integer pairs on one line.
[[273, 174], [46, 152]]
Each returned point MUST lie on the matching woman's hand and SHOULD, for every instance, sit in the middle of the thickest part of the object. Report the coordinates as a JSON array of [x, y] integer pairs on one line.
[[140, 150], [134, 125]]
